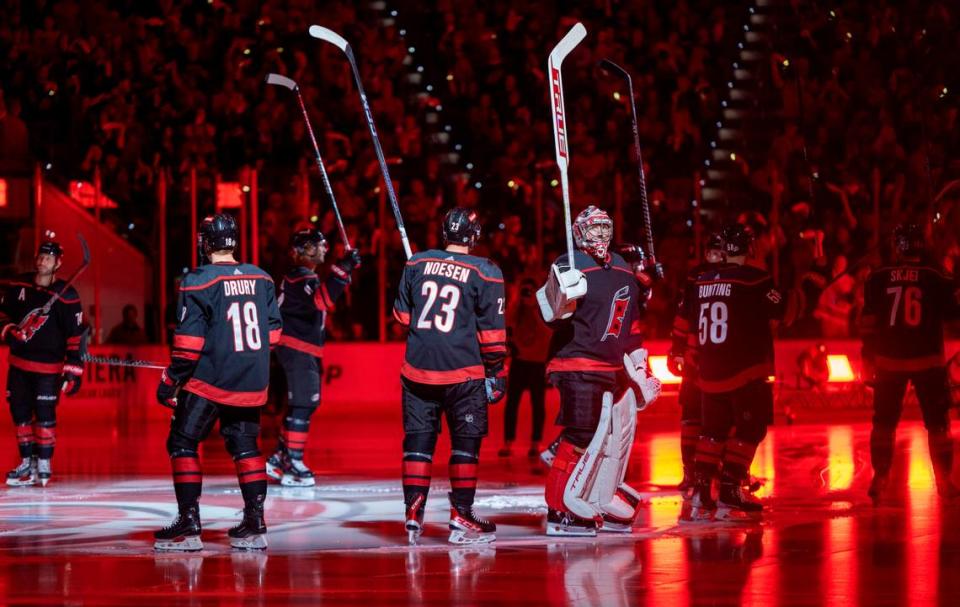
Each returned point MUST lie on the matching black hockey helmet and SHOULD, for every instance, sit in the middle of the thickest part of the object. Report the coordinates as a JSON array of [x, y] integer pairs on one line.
[[306, 236], [737, 239], [219, 233], [50, 247], [714, 242], [909, 240], [461, 226]]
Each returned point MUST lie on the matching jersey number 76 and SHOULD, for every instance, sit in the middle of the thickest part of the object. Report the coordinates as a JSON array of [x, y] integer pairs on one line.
[[444, 319]]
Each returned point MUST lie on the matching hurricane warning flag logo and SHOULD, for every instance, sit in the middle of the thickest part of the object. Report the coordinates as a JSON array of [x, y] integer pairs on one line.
[[618, 310]]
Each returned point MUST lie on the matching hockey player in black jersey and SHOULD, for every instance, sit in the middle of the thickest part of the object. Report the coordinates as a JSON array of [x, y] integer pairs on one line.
[[904, 310], [228, 321], [682, 363], [595, 361], [731, 308], [305, 301], [453, 304], [44, 360]]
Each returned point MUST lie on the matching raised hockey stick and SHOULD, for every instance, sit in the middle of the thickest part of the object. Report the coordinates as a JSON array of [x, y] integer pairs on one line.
[[287, 83], [612, 68], [116, 361], [45, 308], [328, 35], [563, 48]]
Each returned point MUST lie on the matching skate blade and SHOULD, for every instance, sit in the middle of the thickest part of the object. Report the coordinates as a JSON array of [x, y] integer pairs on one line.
[[413, 536], [290, 481], [274, 472], [44, 481], [254, 542], [188, 544], [734, 515], [459, 536], [16, 482], [695, 516], [561, 531], [608, 527]]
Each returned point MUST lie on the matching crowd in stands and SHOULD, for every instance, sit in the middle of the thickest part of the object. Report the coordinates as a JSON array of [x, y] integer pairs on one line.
[[865, 92]]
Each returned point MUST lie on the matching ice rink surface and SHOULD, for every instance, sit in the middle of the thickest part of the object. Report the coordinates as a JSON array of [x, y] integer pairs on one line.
[[86, 538]]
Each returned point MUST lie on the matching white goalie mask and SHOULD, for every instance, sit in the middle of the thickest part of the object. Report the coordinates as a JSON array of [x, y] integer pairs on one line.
[[593, 231]]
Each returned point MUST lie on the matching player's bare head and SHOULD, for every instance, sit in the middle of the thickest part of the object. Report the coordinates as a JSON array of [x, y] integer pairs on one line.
[[461, 227], [309, 246], [49, 257], [219, 234], [909, 241], [737, 242], [713, 249], [593, 231]]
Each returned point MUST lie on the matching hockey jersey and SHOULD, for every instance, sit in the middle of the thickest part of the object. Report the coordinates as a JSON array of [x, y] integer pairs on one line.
[[731, 307], [682, 338], [228, 321], [904, 310], [57, 341], [304, 305], [453, 304], [606, 323]]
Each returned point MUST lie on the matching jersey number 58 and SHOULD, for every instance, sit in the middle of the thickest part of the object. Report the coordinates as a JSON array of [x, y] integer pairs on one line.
[[713, 322]]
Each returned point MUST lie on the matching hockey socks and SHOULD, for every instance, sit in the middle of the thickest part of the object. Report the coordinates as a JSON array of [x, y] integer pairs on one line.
[[252, 475], [737, 457], [45, 434], [25, 439], [187, 480], [294, 435], [463, 477], [689, 437]]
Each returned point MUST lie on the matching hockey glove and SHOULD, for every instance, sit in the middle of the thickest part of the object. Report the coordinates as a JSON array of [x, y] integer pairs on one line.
[[636, 366], [72, 378], [347, 264], [167, 391], [27, 328], [496, 388]]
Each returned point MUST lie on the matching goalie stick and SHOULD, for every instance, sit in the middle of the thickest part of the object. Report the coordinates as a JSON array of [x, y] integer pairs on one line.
[[45, 308], [328, 35], [290, 84], [612, 68]]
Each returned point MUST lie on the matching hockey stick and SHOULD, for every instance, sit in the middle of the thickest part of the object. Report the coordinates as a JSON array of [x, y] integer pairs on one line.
[[563, 48], [612, 68], [45, 309], [337, 40], [287, 83], [116, 361]]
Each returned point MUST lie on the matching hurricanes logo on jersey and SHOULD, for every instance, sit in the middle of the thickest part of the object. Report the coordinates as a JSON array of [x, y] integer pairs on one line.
[[618, 310]]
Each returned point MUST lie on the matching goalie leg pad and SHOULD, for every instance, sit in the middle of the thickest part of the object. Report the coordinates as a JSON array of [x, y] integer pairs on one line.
[[557, 298], [578, 496], [617, 500]]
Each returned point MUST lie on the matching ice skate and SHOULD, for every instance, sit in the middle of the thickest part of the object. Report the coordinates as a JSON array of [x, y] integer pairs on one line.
[[24, 474], [567, 524], [414, 519], [878, 487], [251, 533], [183, 535], [276, 464], [703, 508], [550, 453], [687, 487], [44, 471], [297, 474], [734, 504], [467, 528]]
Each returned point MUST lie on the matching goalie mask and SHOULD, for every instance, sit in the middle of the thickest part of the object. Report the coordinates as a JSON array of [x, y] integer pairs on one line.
[[592, 231], [309, 245]]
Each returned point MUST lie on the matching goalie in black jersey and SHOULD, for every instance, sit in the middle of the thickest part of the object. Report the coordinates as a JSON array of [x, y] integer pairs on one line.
[[305, 302], [453, 303], [228, 321], [44, 360]]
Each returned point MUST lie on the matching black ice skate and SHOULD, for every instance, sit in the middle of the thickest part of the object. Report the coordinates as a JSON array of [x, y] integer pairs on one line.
[[878, 487], [687, 486], [251, 533], [568, 524], [183, 535], [414, 519], [467, 528], [297, 474], [736, 504], [44, 471], [702, 506], [23, 475], [550, 453], [276, 464]]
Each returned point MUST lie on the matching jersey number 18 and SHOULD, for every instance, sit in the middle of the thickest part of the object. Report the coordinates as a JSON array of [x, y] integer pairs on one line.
[[246, 328]]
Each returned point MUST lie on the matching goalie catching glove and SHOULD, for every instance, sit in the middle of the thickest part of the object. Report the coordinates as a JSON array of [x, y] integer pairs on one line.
[[558, 297], [637, 368]]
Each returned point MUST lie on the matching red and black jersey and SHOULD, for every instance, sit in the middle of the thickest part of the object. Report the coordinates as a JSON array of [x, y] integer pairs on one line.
[[682, 338], [304, 305], [730, 309], [454, 305], [904, 309], [57, 341], [228, 320], [606, 323]]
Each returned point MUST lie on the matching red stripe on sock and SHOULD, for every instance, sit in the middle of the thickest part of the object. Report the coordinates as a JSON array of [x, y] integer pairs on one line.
[[185, 464], [417, 468]]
